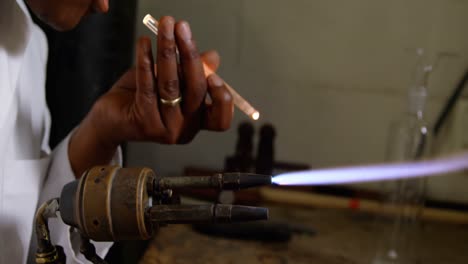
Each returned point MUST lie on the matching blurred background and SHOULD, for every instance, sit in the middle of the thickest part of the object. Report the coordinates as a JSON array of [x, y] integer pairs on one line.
[[328, 76]]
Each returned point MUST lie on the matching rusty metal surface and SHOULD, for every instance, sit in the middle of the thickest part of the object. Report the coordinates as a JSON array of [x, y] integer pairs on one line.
[[343, 238]]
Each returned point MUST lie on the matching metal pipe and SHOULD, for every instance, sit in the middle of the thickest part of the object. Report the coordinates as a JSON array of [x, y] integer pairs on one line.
[[224, 181], [211, 213], [46, 252]]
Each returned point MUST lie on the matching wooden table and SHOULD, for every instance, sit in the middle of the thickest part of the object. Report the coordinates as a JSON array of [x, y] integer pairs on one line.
[[343, 237]]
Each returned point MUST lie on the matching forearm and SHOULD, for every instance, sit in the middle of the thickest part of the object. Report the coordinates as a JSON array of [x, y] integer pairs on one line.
[[88, 148]]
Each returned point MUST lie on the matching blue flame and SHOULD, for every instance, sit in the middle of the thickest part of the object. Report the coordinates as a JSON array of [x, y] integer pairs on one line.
[[370, 173]]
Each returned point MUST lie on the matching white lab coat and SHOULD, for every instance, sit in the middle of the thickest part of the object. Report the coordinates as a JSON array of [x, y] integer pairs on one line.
[[30, 173]]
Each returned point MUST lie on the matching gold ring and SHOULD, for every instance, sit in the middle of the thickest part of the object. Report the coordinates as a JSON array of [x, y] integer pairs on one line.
[[171, 102]]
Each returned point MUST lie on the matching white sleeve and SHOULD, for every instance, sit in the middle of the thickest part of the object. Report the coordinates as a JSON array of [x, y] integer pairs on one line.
[[59, 174]]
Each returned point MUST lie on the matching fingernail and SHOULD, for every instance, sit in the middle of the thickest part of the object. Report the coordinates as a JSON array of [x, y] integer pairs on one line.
[[216, 80], [185, 32], [166, 27], [169, 21]]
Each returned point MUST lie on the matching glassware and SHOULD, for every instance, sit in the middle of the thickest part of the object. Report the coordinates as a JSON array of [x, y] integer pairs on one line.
[[410, 139]]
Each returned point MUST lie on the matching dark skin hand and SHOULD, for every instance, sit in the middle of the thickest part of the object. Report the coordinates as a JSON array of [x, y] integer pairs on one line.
[[132, 110]]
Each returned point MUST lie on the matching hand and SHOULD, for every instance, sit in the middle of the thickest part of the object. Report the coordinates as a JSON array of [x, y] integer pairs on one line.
[[132, 109]]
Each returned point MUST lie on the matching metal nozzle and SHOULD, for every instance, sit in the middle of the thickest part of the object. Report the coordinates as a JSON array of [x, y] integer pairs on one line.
[[218, 213], [237, 180], [225, 181]]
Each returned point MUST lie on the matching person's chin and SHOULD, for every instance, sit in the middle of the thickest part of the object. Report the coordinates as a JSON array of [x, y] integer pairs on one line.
[[63, 24], [60, 22]]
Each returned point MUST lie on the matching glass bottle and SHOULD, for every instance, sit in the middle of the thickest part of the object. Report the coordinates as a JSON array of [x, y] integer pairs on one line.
[[410, 139]]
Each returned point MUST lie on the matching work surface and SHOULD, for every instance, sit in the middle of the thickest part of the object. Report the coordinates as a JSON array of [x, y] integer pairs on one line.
[[343, 237]]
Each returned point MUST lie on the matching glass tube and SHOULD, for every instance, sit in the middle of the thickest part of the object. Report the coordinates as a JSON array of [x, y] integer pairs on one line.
[[238, 100]]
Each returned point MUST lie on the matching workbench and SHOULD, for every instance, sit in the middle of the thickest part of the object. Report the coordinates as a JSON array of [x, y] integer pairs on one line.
[[343, 237]]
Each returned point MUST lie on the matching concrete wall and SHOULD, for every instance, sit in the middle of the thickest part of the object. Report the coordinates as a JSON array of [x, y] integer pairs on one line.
[[329, 74]]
